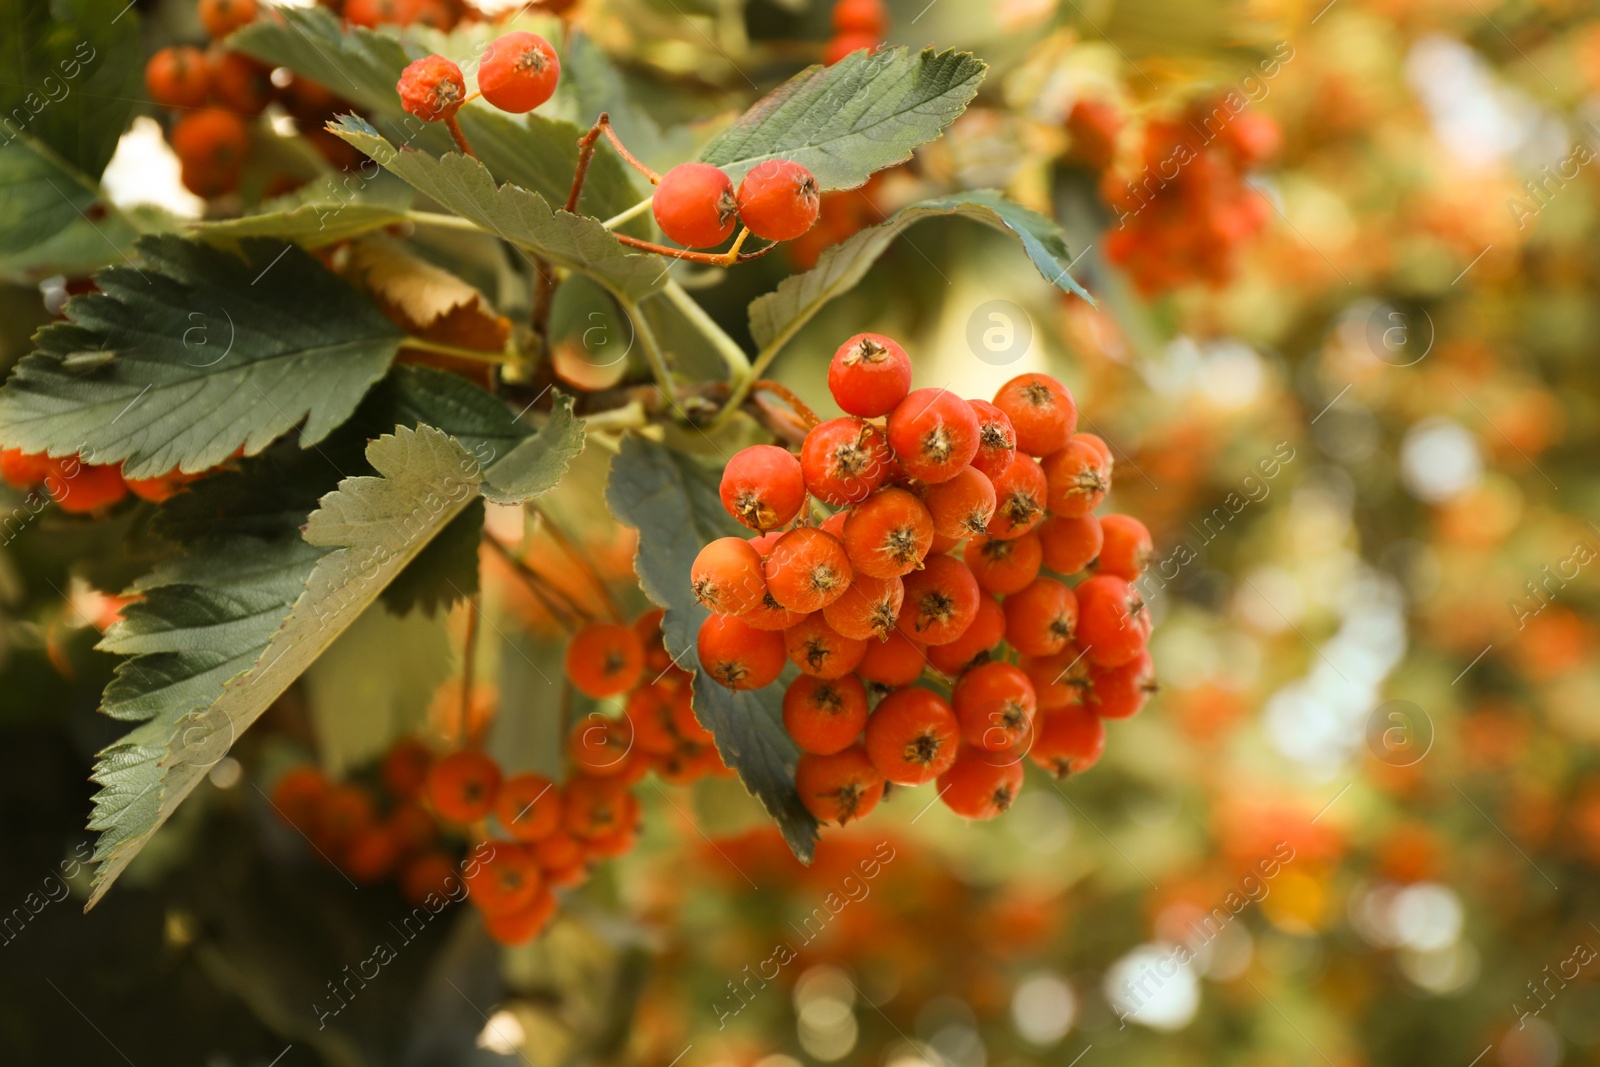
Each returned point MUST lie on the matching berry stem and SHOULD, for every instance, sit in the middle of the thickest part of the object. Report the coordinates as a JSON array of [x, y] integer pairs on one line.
[[460, 138], [469, 656], [579, 560], [603, 123], [778, 389], [632, 213], [566, 614], [585, 154], [652, 352], [738, 363], [717, 259]]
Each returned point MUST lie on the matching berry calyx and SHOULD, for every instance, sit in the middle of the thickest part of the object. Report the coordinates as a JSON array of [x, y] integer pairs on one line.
[[821, 651], [807, 570], [934, 434], [727, 577], [694, 205], [1020, 494], [997, 439], [838, 788], [888, 534], [1078, 475], [869, 375], [868, 608], [1004, 567], [739, 656], [980, 784], [1041, 411], [432, 89], [519, 72], [995, 705], [941, 601], [987, 629], [778, 200], [912, 737], [824, 716], [844, 461], [763, 487]]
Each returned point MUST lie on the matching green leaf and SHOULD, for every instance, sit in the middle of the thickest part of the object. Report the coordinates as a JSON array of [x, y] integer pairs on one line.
[[524, 218], [443, 573], [210, 352], [672, 500], [308, 225], [73, 73], [779, 314], [535, 466], [45, 215], [847, 121], [372, 527], [362, 66]]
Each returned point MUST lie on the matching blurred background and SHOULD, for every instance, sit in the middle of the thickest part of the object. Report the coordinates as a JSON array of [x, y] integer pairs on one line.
[[1344, 352]]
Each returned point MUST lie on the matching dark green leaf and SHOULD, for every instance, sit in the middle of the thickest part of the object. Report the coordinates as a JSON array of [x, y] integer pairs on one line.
[[778, 314], [445, 571], [535, 466], [672, 501], [850, 120], [212, 352], [73, 73]]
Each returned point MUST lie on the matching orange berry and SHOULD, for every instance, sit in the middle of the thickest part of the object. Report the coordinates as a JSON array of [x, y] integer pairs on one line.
[[988, 629], [895, 661], [962, 506], [506, 881], [24, 470], [838, 788], [594, 807], [1021, 491], [888, 534], [1068, 740], [432, 873], [528, 807], [1078, 476], [820, 650], [995, 705], [78, 488], [868, 608], [941, 601], [405, 768], [412, 828], [1126, 547], [600, 745], [727, 577], [347, 811], [462, 786], [298, 796], [997, 439], [1070, 543], [521, 925], [1004, 567], [739, 656], [370, 856], [648, 628], [807, 570], [177, 77], [824, 716], [1041, 411], [238, 82], [1059, 680], [604, 659], [649, 713], [934, 434], [1041, 619], [683, 716], [222, 17], [981, 784], [912, 736]]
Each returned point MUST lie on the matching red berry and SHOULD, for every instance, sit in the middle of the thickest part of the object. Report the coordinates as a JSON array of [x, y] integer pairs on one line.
[[778, 200], [177, 77], [1069, 544], [727, 578], [683, 716], [1126, 549], [463, 785], [694, 205], [432, 89], [997, 440], [860, 16], [980, 784], [80, 488], [868, 608], [604, 659], [212, 145], [1041, 411], [738, 656], [846, 43], [1079, 475], [518, 926], [820, 650], [519, 72], [807, 570], [838, 788], [649, 712], [222, 17], [762, 487], [941, 601], [1003, 567], [844, 460], [405, 768], [1059, 680], [1112, 620], [771, 615], [601, 746], [934, 434], [824, 716], [987, 630], [869, 375], [24, 470], [962, 506], [912, 736], [507, 881], [528, 807], [1119, 692], [594, 808], [893, 662], [1040, 619], [995, 705], [1020, 494], [238, 82], [1068, 740], [888, 534]]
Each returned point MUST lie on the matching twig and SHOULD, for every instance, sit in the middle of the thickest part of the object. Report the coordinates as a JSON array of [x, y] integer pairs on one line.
[[603, 123], [767, 385], [469, 655], [578, 559], [566, 614], [716, 259]]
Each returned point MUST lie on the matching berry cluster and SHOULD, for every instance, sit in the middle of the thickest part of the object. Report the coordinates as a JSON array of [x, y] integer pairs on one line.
[[695, 203], [875, 597], [80, 488], [1184, 216], [519, 71], [534, 835], [857, 24]]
